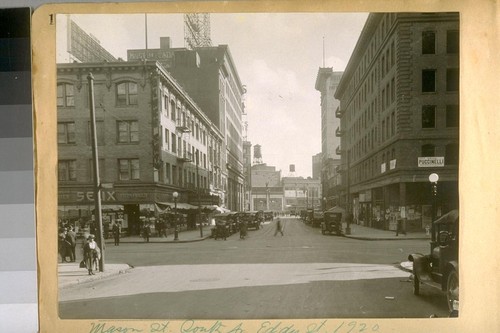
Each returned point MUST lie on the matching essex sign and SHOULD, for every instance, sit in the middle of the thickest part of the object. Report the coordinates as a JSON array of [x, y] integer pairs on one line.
[[430, 162]]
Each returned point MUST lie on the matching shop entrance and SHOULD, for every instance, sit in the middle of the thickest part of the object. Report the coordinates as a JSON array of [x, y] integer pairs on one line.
[[133, 213]]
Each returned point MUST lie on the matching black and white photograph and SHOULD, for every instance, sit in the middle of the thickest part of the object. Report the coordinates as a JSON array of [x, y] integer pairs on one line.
[[258, 166]]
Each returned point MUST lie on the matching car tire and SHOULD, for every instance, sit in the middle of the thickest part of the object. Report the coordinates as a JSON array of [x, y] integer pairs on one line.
[[416, 285], [452, 289]]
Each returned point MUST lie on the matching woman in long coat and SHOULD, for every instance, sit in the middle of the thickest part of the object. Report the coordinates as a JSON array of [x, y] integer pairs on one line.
[[91, 252]]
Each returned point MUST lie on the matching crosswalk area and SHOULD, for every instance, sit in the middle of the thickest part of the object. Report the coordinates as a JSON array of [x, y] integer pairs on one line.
[[181, 278]]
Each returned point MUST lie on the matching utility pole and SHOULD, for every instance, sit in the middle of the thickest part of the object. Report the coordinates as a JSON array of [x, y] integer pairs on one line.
[[97, 183]]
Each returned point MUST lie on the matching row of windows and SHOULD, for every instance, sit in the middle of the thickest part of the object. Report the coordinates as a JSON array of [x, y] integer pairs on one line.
[[429, 115], [374, 166], [127, 95], [129, 169], [429, 80], [127, 131], [429, 42]]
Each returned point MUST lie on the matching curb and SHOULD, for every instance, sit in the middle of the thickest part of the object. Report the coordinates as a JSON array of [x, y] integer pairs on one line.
[[162, 242], [91, 278], [384, 238]]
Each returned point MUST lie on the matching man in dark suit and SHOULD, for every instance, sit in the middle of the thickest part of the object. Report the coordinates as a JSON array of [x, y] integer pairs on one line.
[[71, 240]]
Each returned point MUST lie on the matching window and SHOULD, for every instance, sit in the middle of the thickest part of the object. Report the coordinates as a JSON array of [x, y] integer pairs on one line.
[[452, 116], [165, 104], [452, 41], [168, 178], [393, 123], [167, 139], [428, 150], [126, 94], [451, 154], [99, 128], [428, 116], [65, 95], [66, 170], [429, 80], [174, 143], [66, 133], [172, 111], [128, 131], [128, 169], [452, 76], [428, 42]]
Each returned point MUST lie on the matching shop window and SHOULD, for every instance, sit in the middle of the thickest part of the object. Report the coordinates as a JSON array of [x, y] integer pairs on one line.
[[452, 78], [428, 150], [452, 41], [65, 95], [66, 133], [428, 42], [428, 80], [126, 93], [66, 170], [128, 131], [128, 169], [452, 116], [451, 154]]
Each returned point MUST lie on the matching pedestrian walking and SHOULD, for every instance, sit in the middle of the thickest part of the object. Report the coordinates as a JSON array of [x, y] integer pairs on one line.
[[63, 244], [279, 227], [71, 244], [116, 233], [91, 254], [146, 232]]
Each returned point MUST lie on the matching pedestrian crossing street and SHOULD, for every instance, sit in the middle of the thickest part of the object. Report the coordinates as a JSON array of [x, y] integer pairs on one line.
[[181, 278]]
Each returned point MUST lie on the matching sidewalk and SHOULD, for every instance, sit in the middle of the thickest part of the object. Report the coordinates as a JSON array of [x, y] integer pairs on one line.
[[70, 274], [367, 233]]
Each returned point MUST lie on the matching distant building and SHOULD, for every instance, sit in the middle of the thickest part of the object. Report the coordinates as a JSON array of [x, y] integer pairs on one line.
[[316, 165], [153, 140], [301, 193], [267, 191], [209, 75], [327, 82], [399, 113]]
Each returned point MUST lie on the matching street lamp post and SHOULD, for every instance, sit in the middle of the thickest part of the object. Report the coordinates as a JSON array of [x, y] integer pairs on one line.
[[176, 225], [433, 179]]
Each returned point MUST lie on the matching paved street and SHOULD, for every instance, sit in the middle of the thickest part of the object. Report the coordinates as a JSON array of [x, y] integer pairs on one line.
[[302, 274]]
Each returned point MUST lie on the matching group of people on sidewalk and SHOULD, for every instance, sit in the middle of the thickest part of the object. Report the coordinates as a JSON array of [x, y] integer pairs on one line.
[[67, 244]]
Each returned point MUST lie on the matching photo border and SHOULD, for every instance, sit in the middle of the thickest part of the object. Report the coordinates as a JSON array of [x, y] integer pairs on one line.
[[478, 166]]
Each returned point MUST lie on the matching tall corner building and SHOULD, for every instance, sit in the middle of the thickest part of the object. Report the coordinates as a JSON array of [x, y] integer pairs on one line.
[[327, 82], [399, 114], [209, 75]]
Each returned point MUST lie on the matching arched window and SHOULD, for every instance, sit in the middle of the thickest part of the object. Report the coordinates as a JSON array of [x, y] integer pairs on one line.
[[451, 154], [126, 93], [428, 150], [65, 94]]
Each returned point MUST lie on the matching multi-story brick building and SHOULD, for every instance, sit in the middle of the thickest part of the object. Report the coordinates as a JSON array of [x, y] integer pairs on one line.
[[399, 112], [210, 77], [247, 167], [153, 140]]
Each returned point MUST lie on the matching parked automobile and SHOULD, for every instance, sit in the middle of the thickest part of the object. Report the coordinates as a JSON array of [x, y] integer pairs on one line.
[[223, 225], [332, 223], [252, 219], [440, 268], [268, 216]]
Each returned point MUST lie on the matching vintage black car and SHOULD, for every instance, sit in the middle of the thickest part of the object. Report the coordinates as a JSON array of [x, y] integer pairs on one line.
[[252, 218], [332, 223], [440, 268], [268, 215], [223, 226]]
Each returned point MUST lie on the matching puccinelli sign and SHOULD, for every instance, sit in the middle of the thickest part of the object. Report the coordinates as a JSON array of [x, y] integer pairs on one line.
[[430, 162]]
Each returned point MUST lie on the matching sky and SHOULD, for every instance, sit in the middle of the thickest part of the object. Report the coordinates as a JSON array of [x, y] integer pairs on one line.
[[277, 56]]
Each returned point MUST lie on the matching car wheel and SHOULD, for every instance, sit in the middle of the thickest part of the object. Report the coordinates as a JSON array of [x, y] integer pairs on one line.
[[416, 285], [452, 290]]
